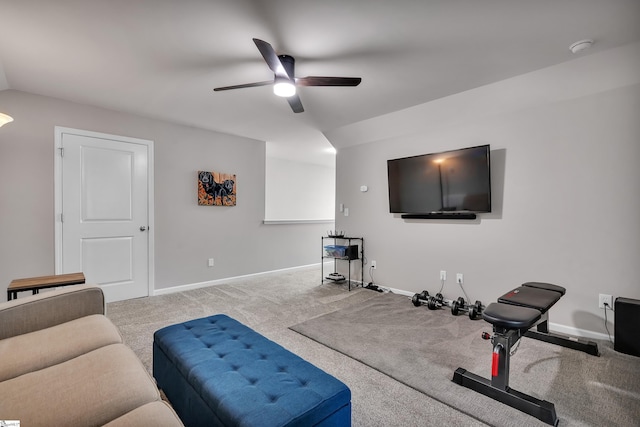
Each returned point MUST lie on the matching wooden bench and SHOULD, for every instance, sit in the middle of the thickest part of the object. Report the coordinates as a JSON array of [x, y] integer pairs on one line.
[[34, 284]]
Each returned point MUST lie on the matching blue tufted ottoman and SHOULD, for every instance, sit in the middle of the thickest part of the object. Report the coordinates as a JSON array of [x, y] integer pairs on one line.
[[216, 371]]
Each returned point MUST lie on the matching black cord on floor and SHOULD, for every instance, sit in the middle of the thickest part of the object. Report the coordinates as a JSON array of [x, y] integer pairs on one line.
[[606, 306], [465, 294], [372, 284]]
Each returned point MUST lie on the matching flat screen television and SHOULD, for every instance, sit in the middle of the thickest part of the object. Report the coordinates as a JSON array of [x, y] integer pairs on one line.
[[450, 181]]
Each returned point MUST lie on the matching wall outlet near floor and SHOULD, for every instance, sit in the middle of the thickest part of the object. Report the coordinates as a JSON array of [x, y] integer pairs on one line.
[[604, 298], [374, 265], [459, 278], [210, 262], [443, 275]]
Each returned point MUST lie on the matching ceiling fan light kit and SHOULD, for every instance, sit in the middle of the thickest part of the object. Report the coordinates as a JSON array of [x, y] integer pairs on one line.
[[4, 119], [284, 88], [284, 79]]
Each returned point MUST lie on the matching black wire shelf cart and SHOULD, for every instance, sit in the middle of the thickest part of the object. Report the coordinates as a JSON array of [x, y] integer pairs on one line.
[[352, 251]]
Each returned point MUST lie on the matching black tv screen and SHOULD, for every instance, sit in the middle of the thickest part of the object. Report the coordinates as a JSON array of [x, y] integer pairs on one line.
[[450, 181]]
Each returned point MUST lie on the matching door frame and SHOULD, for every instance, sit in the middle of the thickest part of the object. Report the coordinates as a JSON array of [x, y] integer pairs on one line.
[[57, 180]]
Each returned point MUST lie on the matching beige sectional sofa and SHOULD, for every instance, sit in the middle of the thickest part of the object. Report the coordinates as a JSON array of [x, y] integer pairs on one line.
[[62, 362]]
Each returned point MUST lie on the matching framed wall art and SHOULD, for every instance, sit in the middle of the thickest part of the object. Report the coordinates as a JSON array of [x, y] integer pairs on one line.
[[216, 189]]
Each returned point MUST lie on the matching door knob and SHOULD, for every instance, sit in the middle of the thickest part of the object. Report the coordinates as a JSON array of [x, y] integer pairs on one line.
[[143, 228]]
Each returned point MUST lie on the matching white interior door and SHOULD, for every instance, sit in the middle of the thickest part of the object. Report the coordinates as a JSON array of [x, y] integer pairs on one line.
[[104, 218]]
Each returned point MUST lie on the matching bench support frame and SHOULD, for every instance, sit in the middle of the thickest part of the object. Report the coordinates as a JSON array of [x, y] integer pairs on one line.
[[503, 339], [498, 387], [542, 334], [541, 409]]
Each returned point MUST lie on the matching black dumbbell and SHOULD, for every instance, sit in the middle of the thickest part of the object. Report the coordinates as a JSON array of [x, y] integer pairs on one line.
[[474, 311], [418, 299], [435, 302], [457, 306]]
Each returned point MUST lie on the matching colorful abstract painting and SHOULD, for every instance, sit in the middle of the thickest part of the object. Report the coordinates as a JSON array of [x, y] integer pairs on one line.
[[216, 189]]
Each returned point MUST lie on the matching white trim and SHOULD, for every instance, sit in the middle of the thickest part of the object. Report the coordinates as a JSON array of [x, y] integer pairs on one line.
[[297, 221], [57, 199], [151, 228], [227, 280], [583, 333], [57, 179], [401, 292]]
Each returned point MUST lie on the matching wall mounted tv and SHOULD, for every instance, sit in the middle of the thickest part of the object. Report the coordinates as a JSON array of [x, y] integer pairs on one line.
[[450, 182]]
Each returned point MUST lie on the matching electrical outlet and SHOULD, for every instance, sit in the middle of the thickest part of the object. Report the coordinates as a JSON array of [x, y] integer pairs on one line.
[[443, 275], [374, 265], [459, 279], [604, 298], [210, 262]]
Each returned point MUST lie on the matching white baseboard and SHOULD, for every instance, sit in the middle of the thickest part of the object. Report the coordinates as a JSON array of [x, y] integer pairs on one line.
[[227, 280], [576, 332], [401, 292], [297, 221]]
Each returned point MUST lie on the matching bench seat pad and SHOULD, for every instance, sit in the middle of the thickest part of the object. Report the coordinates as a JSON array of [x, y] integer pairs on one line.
[[532, 297], [547, 286], [510, 316], [217, 371]]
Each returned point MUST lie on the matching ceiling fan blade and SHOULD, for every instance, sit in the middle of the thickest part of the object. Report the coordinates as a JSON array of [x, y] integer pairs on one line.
[[295, 103], [328, 81], [271, 58], [269, 82], [283, 67]]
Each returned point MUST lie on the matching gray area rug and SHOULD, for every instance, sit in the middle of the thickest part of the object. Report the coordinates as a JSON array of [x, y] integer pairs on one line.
[[422, 349]]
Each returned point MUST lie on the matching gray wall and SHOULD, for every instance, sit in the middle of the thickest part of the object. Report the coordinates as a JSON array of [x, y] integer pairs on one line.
[[185, 234], [299, 191], [566, 172]]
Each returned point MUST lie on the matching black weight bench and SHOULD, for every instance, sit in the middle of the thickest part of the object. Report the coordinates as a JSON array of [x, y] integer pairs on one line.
[[512, 317]]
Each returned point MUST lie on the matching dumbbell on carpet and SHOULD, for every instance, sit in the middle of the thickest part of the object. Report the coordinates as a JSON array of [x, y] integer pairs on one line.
[[437, 301], [418, 299], [433, 302], [460, 306]]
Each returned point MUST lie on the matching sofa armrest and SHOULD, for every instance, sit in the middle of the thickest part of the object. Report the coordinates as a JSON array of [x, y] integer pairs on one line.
[[48, 309]]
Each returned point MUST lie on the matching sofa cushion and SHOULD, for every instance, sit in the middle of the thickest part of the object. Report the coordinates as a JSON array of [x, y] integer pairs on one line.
[[35, 312], [156, 414], [50, 346], [91, 389]]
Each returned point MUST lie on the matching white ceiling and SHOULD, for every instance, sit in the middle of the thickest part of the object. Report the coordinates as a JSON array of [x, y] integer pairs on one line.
[[162, 58]]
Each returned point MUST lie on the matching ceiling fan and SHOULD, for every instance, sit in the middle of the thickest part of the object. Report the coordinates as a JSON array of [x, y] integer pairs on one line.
[[284, 81]]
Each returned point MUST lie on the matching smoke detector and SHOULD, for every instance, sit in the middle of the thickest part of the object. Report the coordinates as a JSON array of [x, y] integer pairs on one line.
[[580, 45]]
